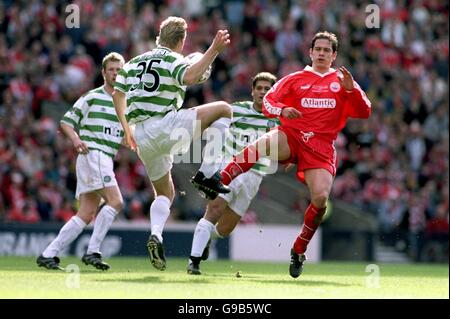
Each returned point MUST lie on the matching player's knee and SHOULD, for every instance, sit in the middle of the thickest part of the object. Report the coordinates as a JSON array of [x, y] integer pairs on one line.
[[224, 230], [320, 199], [225, 109], [168, 192], [117, 204], [170, 196], [86, 215]]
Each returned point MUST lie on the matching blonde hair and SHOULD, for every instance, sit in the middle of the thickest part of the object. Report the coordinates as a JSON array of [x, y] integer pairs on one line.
[[171, 31], [113, 57]]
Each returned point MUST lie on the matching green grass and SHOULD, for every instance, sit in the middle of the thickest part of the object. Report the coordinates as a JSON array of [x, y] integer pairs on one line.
[[136, 278]]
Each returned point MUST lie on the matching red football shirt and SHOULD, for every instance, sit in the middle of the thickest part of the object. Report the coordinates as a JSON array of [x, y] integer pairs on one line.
[[324, 104]]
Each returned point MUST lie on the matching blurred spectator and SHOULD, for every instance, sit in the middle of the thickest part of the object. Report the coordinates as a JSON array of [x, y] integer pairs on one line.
[[136, 211], [417, 206], [415, 146], [65, 212], [27, 214], [438, 225], [250, 217]]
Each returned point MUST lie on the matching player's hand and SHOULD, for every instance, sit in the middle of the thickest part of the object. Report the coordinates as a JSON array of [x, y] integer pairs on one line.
[[291, 113], [221, 41], [130, 142], [80, 146], [345, 79]]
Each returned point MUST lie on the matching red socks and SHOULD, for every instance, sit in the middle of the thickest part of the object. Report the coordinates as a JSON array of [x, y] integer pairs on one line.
[[241, 163], [313, 218]]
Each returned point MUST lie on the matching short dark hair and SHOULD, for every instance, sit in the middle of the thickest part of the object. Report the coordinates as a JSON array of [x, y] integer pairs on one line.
[[328, 36], [264, 76]]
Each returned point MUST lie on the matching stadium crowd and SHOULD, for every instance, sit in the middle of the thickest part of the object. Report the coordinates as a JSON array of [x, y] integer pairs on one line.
[[394, 166]]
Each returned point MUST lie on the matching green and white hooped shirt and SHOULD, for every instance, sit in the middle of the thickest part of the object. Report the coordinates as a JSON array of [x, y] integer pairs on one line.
[[94, 115], [247, 126], [153, 84]]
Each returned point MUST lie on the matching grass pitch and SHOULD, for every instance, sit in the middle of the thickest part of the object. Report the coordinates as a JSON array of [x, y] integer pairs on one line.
[[136, 278]]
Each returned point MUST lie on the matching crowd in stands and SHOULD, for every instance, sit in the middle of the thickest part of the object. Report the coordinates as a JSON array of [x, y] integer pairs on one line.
[[394, 165]]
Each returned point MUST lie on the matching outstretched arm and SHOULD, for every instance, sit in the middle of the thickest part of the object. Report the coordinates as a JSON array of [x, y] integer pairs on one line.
[[196, 70], [357, 103]]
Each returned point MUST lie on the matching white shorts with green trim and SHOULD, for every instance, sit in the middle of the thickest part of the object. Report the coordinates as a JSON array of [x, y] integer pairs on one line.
[[243, 189], [159, 138], [95, 171]]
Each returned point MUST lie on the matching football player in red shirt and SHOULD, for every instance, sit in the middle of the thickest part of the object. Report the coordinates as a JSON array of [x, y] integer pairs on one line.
[[313, 106]]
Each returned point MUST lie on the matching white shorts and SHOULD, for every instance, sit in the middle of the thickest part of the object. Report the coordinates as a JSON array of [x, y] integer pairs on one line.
[[158, 139], [95, 171], [243, 189]]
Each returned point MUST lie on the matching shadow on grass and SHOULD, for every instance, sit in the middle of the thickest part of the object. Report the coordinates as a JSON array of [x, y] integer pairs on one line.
[[303, 282], [157, 279], [213, 280], [287, 280]]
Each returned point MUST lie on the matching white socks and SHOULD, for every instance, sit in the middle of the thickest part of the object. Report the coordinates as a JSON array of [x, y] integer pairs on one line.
[[102, 224], [212, 153], [71, 230], [159, 212], [202, 235]]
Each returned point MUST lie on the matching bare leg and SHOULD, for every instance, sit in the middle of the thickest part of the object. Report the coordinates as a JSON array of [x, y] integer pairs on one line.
[[319, 182]]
